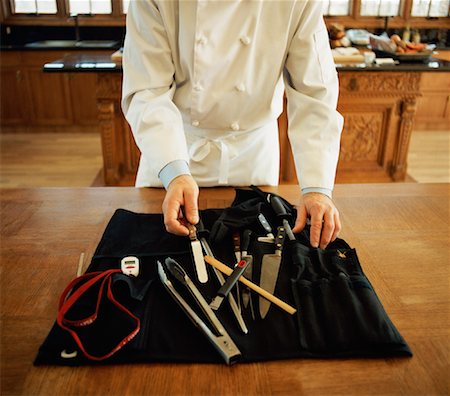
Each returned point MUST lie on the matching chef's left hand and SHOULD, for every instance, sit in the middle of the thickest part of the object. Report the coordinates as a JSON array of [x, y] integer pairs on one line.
[[325, 222]]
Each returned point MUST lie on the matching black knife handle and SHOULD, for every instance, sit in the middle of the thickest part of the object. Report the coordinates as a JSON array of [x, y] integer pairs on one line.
[[245, 242], [233, 278], [278, 206]]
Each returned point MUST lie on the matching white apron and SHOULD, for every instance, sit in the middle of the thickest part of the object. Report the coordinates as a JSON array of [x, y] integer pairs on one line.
[[218, 158]]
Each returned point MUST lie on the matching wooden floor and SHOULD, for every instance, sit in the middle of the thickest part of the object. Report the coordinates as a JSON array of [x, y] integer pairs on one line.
[[75, 159]]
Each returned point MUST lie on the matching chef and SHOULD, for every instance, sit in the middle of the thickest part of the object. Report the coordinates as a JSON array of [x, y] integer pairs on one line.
[[203, 83]]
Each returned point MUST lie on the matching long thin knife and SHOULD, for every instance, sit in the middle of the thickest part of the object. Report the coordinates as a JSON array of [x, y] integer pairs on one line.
[[221, 279]]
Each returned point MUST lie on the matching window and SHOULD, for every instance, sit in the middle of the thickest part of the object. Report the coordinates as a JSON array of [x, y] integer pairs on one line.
[[430, 8], [380, 7], [33, 6], [336, 7], [90, 6]]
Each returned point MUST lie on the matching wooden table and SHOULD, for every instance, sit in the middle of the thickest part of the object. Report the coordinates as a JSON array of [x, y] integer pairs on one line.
[[401, 233]]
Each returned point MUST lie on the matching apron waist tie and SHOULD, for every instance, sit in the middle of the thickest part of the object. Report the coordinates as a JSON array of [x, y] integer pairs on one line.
[[202, 147]]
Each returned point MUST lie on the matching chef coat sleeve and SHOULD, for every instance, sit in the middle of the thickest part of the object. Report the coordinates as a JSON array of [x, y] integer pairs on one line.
[[311, 85], [148, 88]]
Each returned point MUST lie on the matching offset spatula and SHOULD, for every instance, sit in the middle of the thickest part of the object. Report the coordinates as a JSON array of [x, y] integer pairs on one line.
[[269, 270]]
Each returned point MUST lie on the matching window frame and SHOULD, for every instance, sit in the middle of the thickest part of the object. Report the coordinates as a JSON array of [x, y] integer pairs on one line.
[[117, 18]]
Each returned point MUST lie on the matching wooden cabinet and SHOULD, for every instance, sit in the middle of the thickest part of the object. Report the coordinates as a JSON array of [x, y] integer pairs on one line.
[[44, 101], [49, 93], [433, 109], [13, 91], [378, 110]]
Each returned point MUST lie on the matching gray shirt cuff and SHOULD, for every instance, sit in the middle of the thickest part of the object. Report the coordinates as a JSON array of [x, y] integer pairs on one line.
[[321, 190], [172, 170]]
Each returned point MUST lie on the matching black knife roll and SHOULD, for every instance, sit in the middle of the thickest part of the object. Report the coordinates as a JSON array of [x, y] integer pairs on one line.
[[338, 312]]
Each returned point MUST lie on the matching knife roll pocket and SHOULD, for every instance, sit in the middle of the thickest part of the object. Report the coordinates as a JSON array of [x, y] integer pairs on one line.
[[338, 312]]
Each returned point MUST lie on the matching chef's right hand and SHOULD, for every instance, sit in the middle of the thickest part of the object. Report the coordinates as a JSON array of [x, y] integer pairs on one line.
[[182, 191]]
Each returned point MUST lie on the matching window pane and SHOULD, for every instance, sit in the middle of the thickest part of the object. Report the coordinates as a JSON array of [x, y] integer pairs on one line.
[[380, 7], [433, 8], [90, 6], [125, 4], [336, 7], [34, 6]]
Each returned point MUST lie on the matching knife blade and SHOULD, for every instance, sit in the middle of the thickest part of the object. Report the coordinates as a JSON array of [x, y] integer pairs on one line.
[[197, 253], [237, 253], [202, 232], [270, 267], [246, 296]]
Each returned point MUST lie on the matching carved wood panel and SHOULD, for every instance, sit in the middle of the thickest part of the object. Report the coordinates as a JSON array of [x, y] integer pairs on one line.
[[361, 139]]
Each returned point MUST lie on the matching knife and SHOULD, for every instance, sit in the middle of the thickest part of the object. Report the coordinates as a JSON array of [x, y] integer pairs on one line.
[[197, 253], [196, 248], [246, 296], [202, 232], [231, 281], [270, 267], [280, 210], [237, 253], [269, 238]]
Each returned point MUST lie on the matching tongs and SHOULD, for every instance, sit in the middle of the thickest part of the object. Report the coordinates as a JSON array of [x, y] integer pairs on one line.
[[221, 340]]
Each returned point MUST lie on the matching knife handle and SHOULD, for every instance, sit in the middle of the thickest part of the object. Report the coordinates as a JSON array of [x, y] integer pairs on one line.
[[245, 243], [233, 278], [278, 206], [265, 224]]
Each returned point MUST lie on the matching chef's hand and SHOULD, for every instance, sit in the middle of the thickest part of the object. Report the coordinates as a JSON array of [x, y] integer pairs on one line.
[[325, 222], [182, 191]]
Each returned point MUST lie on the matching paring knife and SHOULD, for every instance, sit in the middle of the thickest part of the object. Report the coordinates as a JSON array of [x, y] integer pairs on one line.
[[246, 296], [270, 267], [237, 253]]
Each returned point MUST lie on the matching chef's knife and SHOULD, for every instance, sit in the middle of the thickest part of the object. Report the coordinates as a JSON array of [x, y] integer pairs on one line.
[[270, 267]]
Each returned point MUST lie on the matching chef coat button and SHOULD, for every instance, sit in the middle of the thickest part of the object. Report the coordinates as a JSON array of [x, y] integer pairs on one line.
[[246, 40], [198, 88], [240, 87], [195, 123], [202, 40], [235, 126]]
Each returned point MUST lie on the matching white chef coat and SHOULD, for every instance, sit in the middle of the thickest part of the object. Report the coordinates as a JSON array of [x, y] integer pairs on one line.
[[204, 80]]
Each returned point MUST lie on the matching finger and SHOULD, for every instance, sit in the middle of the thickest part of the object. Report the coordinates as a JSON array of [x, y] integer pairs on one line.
[[172, 220], [300, 221], [316, 228], [327, 229], [337, 226], [191, 206]]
